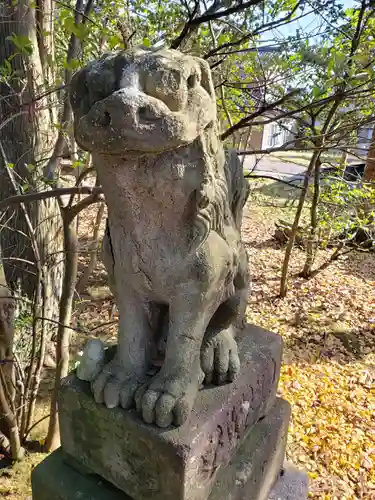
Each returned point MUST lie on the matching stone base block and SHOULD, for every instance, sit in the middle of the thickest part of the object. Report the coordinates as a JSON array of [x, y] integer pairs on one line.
[[254, 469], [179, 463], [53, 479], [250, 475]]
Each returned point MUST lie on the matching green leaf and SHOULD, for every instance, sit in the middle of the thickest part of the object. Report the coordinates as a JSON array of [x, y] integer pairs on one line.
[[22, 42], [222, 39], [72, 65], [79, 30], [77, 164], [146, 42], [114, 41], [316, 92]]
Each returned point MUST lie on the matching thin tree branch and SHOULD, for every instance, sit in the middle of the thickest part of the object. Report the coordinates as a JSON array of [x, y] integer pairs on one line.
[[74, 210], [277, 179], [78, 12], [211, 15], [52, 193], [248, 36], [263, 109], [12, 117], [244, 122], [27, 432]]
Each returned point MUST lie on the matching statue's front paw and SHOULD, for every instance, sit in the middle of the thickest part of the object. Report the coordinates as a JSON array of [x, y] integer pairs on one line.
[[115, 386], [167, 399], [219, 358]]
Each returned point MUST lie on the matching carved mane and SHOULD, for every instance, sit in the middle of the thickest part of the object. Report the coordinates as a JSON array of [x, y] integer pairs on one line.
[[213, 208]]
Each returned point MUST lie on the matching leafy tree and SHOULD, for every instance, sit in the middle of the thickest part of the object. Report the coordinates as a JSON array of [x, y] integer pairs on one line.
[[344, 89]]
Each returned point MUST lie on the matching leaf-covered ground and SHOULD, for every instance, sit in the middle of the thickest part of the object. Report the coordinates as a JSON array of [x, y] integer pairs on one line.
[[328, 376]]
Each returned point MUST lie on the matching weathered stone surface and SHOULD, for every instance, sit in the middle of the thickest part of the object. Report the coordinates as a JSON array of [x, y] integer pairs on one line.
[[180, 463], [292, 484], [254, 469], [249, 476], [172, 248], [52, 479]]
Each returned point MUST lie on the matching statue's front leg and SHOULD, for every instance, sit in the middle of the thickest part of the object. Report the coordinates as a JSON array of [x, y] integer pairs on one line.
[[119, 379], [169, 396]]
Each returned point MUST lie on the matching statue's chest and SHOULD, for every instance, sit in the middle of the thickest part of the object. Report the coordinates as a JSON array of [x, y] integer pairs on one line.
[[147, 254]]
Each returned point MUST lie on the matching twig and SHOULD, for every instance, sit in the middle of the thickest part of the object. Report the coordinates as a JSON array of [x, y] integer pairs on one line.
[[263, 109], [79, 12], [248, 36], [12, 117], [27, 432], [81, 205], [79, 330], [103, 324], [52, 193], [282, 181], [210, 15]]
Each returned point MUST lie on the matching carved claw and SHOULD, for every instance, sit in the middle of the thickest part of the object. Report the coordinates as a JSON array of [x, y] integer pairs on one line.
[[114, 386], [166, 400], [219, 358]]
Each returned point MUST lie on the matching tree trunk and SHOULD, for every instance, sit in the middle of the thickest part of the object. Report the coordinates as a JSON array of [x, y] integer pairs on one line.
[[9, 420], [8, 417], [31, 239], [94, 249], [313, 243], [289, 248], [63, 335], [27, 139], [369, 173]]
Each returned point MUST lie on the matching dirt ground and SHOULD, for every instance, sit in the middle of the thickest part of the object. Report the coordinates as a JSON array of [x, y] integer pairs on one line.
[[328, 376]]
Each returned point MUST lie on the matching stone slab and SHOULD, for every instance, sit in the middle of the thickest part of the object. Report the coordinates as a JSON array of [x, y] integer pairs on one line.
[[250, 475], [53, 479], [292, 484], [133, 456]]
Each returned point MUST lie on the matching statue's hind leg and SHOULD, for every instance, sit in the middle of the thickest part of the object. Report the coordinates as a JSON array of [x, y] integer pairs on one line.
[[219, 354]]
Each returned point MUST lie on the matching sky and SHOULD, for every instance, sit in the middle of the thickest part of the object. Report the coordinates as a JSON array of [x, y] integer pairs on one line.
[[310, 23]]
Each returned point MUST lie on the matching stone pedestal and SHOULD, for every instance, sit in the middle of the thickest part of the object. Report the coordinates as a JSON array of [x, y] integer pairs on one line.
[[232, 447]]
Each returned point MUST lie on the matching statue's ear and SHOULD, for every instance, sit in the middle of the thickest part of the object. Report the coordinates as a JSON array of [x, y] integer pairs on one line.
[[79, 93], [206, 79]]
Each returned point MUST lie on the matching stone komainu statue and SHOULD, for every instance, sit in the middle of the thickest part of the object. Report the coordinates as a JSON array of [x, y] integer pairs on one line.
[[172, 247]]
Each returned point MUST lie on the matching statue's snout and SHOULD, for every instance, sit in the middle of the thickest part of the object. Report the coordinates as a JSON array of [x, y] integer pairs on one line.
[[127, 109]]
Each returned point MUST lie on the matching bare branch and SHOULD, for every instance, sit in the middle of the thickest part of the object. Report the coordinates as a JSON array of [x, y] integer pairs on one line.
[[78, 12], [263, 109], [211, 14], [277, 179], [12, 117], [74, 210], [248, 36], [52, 193]]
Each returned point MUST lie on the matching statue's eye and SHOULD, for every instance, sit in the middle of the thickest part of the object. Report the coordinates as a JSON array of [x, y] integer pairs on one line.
[[192, 81]]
